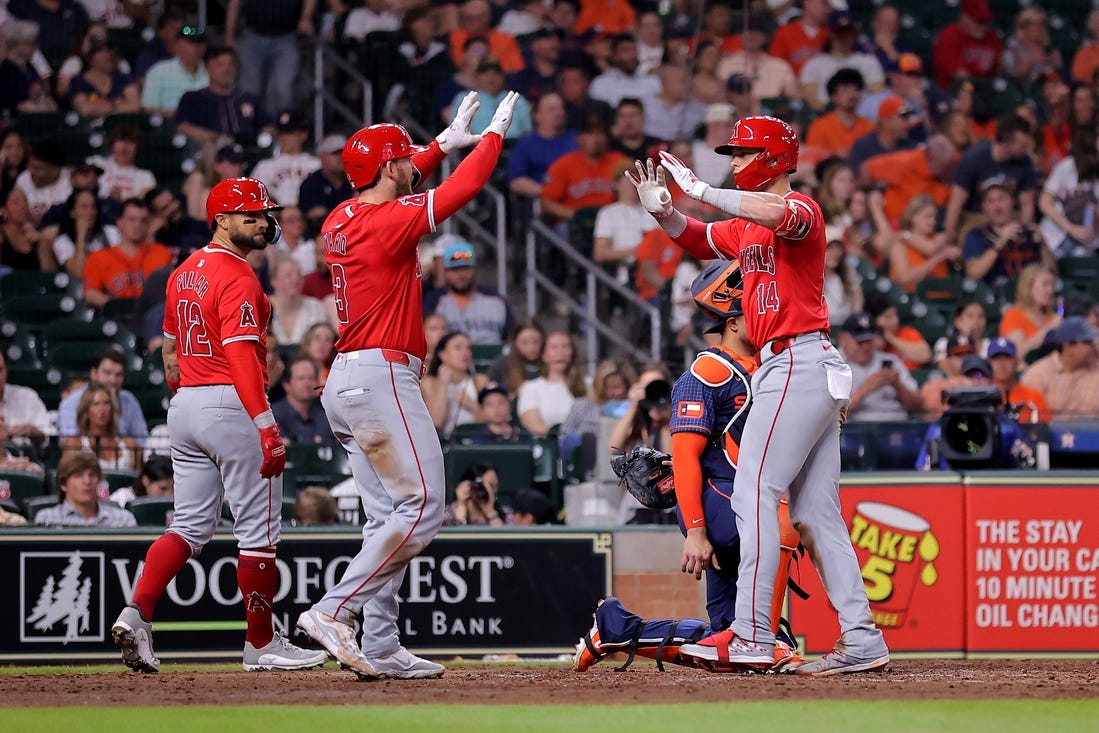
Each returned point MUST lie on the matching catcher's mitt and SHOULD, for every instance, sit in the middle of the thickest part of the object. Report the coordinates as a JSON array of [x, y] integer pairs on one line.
[[646, 477]]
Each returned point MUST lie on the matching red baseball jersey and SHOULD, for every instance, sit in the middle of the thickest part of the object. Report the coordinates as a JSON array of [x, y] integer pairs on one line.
[[783, 269], [214, 298], [371, 252]]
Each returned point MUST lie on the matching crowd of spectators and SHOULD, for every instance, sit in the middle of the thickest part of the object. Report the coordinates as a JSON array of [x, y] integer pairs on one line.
[[959, 179]]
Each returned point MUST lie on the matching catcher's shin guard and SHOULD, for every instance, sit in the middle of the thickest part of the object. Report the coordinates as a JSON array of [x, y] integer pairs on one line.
[[618, 630], [789, 538]]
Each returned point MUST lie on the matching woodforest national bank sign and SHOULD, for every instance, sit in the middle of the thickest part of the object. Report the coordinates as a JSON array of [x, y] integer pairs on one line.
[[468, 593]]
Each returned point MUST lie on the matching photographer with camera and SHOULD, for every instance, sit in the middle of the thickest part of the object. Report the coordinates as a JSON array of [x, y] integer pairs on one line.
[[881, 387], [475, 500]]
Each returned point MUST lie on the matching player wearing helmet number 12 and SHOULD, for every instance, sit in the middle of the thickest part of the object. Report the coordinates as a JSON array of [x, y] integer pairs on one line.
[[224, 438], [372, 396], [791, 438]]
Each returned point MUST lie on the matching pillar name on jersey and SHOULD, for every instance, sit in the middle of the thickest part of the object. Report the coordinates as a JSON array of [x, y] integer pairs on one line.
[[194, 281], [758, 258], [61, 597]]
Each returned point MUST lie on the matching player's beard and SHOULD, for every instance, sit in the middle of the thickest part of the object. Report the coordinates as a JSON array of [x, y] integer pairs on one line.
[[246, 243]]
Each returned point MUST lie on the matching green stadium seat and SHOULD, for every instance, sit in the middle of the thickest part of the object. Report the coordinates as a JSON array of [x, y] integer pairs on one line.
[[582, 230], [462, 434], [287, 508], [35, 504], [35, 312], [19, 345], [11, 507], [513, 462], [70, 344], [18, 486], [118, 478], [45, 381], [20, 284], [485, 355], [1079, 273], [313, 465], [152, 511]]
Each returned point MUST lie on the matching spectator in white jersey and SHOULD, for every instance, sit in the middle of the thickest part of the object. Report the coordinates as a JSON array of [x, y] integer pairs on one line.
[[290, 165]]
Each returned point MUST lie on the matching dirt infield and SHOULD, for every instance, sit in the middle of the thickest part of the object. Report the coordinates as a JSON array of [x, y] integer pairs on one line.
[[546, 684]]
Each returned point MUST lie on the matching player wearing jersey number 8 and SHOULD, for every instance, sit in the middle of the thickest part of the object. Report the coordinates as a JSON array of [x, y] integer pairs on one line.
[[791, 436], [215, 350], [372, 396]]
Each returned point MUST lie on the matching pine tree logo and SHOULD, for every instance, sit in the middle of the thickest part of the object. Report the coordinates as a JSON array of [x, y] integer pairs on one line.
[[61, 596]]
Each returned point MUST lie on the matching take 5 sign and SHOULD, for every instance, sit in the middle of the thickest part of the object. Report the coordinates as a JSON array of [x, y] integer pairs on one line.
[[907, 536]]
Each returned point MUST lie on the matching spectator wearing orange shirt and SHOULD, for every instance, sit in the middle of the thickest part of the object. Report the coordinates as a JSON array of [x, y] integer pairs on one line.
[[657, 259], [1004, 361], [120, 271], [1086, 61], [606, 16], [1033, 315], [837, 130], [904, 342], [583, 177], [906, 174], [475, 19], [918, 251], [800, 40]]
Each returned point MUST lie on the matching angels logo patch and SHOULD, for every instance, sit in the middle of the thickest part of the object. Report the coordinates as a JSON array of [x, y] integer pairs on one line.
[[416, 199], [247, 316]]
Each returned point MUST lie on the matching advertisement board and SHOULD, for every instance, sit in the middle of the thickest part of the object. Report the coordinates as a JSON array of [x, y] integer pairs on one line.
[[467, 593]]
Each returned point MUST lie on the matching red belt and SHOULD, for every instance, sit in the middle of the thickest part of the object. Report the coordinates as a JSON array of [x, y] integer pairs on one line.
[[395, 356], [784, 342]]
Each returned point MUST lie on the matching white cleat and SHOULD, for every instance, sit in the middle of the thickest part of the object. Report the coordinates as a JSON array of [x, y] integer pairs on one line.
[[339, 639], [404, 665], [279, 653], [134, 636]]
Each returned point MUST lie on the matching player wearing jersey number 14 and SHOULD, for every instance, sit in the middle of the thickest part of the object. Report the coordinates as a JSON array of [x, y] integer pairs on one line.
[[224, 438], [791, 436], [372, 396]]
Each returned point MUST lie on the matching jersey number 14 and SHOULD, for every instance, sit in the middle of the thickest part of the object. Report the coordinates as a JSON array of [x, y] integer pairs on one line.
[[767, 297]]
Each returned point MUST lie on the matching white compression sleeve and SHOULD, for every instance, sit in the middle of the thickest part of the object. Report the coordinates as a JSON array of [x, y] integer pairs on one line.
[[726, 199]]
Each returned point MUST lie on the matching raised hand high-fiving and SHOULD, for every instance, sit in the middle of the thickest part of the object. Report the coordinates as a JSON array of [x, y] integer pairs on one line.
[[649, 181], [457, 134], [683, 176], [505, 112]]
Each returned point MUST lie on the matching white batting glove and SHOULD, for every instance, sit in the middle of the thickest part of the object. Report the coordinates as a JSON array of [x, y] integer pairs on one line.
[[683, 176], [501, 120], [457, 135], [649, 180]]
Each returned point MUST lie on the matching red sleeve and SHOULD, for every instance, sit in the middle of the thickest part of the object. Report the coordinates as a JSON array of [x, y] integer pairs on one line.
[[242, 312], [467, 179], [694, 240], [687, 450], [247, 376], [428, 159]]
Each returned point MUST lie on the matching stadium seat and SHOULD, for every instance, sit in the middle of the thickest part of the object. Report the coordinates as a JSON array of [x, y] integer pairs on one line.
[[287, 508], [462, 434], [46, 381], [514, 463], [11, 507], [35, 312], [19, 345], [582, 230], [485, 355], [35, 504], [313, 465], [1079, 273], [24, 283], [118, 478], [70, 344], [152, 511], [18, 486]]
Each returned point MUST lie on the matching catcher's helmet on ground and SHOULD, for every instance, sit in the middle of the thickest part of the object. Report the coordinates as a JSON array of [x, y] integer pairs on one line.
[[717, 292], [371, 147], [239, 196], [777, 144]]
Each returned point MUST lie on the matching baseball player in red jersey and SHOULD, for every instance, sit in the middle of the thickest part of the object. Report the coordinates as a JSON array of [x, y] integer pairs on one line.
[[372, 395], [791, 437], [224, 438]]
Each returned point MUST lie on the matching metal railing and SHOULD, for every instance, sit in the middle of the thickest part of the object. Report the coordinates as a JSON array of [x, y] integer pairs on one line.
[[540, 238], [324, 54]]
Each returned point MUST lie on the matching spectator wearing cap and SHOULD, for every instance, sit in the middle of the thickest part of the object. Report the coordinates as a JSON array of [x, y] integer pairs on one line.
[[102, 88], [999, 250], [671, 113], [905, 77], [840, 52], [227, 162], [709, 166], [121, 179], [22, 87], [45, 182], [1033, 315], [1069, 376], [1029, 404], [582, 178], [327, 187], [968, 48], [158, 47], [837, 131], [904, 342], [221, 108], [1086, 61], [628, 134], [881, 387], [891, 133], [771, 76], [533, 153], [623, 78], [574, 85], [488, 82], [60, 23], [1006, 158], [371, 16], [167, 81], [483, 316], [958, 348], [539, 77], [906, 174], [289, 165], [801, 39], [264, 33], [1028, 53], [499, 425], [81, 176], [475, 20]]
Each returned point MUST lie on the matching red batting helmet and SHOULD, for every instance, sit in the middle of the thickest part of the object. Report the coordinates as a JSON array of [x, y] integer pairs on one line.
[[718, 291], [238, 195], [777, 144], [369, 148]]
